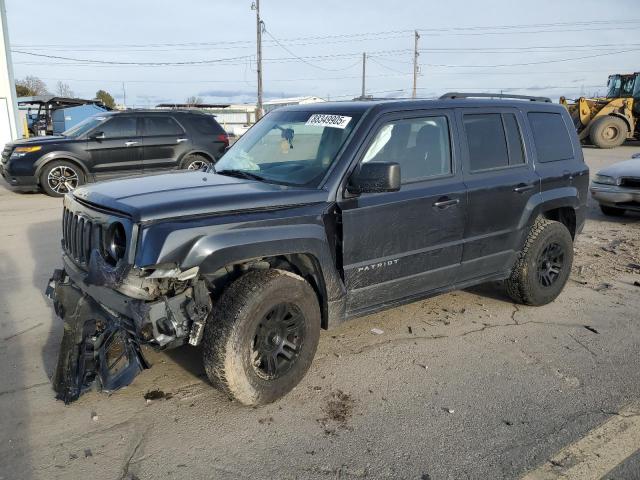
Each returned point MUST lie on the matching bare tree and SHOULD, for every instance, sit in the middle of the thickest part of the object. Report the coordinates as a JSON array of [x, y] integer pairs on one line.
[[31, 86], [64, 90], [193, 100]]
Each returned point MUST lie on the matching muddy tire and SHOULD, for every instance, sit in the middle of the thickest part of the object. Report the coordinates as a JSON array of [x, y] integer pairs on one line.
[[544, 264], [262, 336], [194, 162], [608, 132], [60, 177], [612, 211]]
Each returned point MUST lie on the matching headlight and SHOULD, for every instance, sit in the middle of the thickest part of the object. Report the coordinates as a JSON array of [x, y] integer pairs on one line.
[[115, 241], [605, 179], [22, 151]]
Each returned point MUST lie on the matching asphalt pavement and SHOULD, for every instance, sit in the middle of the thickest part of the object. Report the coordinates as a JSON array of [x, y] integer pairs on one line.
[[465, 385]]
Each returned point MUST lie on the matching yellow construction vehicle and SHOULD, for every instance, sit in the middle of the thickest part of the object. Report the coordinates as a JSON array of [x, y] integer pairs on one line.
[[608, 121]]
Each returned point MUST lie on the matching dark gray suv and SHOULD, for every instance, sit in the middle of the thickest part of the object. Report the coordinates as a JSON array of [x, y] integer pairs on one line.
[[114, 144], [318, 214]]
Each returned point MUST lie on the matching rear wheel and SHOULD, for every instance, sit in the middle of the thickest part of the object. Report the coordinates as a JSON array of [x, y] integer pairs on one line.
[[262, 336], [195, 162], [543, 265], [60, 177], [612, 211], [608, 132]]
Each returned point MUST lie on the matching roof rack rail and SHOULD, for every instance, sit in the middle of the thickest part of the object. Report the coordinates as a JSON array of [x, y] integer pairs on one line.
[[452, 95]]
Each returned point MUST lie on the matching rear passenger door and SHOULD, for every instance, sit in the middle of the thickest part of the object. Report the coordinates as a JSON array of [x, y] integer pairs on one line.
[[399, 245], [164, 141], [556, 163], [500, 180]]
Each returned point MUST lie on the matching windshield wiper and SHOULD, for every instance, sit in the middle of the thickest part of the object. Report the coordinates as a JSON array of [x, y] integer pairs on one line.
[[241, 174]]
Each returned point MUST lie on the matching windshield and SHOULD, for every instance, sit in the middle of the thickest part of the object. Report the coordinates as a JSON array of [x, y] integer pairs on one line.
[[84, 126], [289, 147], [621, 86]]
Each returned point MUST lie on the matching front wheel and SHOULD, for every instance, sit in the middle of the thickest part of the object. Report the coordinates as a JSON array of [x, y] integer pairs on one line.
[[543, 265], [60, 177], [262, 336]]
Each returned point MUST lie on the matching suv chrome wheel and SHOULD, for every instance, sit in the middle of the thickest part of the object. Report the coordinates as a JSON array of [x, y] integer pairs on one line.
[[62, 179], [198, 164]]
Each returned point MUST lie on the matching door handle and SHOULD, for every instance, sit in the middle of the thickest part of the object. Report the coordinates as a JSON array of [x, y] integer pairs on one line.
[[523, 188], [180, 140], [568, 174], [130, 144], [445, 202]]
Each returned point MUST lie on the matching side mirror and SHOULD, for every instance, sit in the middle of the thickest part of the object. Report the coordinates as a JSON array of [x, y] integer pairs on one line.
[[97, 136], [375, 177]]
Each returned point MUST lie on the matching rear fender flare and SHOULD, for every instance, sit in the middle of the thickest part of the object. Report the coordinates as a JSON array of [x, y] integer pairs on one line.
[[544, 201], [207, 155]]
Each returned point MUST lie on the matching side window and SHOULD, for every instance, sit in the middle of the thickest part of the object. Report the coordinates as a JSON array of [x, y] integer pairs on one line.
[[421, 146], [205, 125], [157, 125], [550, 136], [486, 141], [514, 139], [119, 127]]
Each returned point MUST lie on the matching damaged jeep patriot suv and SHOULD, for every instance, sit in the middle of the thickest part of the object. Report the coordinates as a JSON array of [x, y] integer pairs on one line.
[[319, 213]]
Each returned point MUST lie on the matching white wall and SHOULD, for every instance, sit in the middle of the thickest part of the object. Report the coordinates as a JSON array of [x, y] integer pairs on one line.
[[10, 129]]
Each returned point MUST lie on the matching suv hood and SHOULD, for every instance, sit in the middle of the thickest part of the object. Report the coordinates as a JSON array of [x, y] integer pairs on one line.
[[52, 139], [187, 193]]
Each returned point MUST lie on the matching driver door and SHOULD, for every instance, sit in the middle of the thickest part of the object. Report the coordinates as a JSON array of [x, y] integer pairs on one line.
[[119, 150], [401, 245]]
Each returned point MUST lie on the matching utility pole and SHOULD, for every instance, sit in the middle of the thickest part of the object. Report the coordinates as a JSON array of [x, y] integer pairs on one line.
[[364, 71], [256, 7], [10, 126], [124, 96], [415, 64]]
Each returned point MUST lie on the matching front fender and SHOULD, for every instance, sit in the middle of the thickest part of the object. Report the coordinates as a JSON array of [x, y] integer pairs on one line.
[[213, 247], [59, 155]]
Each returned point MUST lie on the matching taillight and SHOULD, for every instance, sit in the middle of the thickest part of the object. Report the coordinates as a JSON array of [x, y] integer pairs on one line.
[[223, 137]]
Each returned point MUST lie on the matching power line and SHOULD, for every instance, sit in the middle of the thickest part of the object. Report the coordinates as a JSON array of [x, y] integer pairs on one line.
[[114, 62], [302, 58], [617, 25], [534, 63]]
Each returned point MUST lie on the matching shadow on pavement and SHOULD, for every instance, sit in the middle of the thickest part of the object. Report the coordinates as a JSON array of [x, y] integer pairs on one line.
[[14, 455]]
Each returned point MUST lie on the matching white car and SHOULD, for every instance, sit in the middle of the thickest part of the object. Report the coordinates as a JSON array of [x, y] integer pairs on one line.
[[617, 188]]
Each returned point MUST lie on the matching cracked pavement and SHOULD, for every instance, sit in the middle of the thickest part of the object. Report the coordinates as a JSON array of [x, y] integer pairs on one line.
[[464, 385]]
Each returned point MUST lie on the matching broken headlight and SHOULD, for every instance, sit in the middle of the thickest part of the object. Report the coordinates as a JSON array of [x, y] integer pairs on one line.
[[115, 242]]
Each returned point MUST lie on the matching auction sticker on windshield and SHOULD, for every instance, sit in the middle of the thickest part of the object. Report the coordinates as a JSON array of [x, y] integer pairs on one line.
[[325, 120]]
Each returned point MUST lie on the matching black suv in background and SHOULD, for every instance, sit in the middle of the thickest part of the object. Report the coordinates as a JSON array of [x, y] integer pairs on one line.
[[319, 213], [114, 144]]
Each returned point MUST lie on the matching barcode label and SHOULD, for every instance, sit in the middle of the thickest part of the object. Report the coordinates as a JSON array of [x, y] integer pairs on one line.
[[325, 120]]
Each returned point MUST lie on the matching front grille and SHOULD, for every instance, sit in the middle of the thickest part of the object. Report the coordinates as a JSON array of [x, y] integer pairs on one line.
[[630, 182], [79, 236]]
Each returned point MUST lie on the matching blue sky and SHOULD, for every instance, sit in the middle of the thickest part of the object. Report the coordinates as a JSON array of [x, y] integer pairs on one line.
[[467, 45]]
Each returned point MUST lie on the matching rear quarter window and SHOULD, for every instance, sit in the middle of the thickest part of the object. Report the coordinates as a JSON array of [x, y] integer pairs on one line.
[[205, 125], [550, 136]]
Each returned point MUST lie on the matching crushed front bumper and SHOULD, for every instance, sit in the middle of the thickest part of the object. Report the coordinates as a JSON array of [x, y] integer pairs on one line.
[[104, 329]]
